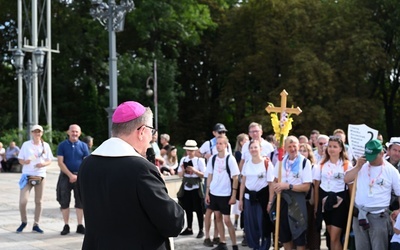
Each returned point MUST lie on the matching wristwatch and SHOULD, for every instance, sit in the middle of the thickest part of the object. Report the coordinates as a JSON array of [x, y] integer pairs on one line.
[[290, 186]]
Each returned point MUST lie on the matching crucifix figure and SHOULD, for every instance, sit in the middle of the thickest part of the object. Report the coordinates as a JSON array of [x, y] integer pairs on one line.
[[284, 112]]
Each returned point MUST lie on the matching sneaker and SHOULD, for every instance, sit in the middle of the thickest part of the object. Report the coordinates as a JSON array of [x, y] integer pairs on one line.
[[208, 243], [187, 232], [221, 246], [37, 229], [21, 227], [80, 229], [200, 234], [235, 247], [215, 241], [244, 241], [65, 230]]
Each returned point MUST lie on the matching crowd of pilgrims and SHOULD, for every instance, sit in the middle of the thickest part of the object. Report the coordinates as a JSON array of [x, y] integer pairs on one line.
[[318, 173]]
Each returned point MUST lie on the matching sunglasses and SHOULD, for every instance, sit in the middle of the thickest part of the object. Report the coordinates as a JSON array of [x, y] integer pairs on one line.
[[221, 132]]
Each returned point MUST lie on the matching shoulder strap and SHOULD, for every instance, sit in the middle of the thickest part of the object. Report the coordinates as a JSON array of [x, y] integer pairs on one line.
[[345, 166], [304, 162], [210, 147], [213, 161], [227, 164], [228, 170]]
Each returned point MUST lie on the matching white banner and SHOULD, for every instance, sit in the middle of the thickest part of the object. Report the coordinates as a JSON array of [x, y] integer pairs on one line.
[[358, 136]]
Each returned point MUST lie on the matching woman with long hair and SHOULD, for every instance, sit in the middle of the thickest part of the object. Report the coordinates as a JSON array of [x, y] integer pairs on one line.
[[170, 161], [331, 192]]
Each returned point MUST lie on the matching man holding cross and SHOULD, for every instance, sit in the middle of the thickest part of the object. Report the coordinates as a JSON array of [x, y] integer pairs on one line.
[[295, 183], [282, 127]]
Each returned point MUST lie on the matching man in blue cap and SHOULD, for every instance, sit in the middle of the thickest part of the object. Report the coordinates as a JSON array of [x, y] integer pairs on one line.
[[375, 180]]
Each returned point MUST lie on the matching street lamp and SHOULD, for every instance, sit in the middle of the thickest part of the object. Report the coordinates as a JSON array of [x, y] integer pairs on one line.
[[28, 73], [112, 16], [150, 92]]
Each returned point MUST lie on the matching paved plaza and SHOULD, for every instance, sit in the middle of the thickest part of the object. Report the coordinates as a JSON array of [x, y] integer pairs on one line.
[[51, 221]]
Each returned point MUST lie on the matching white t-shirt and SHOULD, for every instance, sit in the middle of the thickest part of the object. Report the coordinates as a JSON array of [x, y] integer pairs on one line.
[[257, 177], [37, 154], [293, 172], [331, 176], [198, 164], [221, 182], [396, 237], [374, 185], [266, 150]]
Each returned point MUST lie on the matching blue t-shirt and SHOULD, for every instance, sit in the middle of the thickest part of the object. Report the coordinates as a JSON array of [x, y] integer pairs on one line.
[[73, 153]]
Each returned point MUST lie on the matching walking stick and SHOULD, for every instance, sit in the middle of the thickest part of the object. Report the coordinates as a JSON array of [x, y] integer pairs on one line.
[[350, 215], [278, 208]]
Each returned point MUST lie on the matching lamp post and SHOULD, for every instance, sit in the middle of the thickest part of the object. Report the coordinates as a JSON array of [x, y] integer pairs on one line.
[[29, 73], [150, 92], [111, 16]]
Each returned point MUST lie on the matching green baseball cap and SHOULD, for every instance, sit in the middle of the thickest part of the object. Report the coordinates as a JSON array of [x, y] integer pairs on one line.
[[372, 149]]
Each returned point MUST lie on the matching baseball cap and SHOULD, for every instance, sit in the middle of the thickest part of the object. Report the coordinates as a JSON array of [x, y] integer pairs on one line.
[[128, 111], [372, 149], [393, 140], [219, 127], [35, 127]]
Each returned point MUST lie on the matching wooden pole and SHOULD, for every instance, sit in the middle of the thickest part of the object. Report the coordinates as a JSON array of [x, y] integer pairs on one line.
[[350, 215], [278, 208]]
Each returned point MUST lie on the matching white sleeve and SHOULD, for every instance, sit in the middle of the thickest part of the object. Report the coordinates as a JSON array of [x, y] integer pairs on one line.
[[201, 164], [205, 148], [395, 181], [233, 166], [209, 167], [270, 172], [317, 172], [307, 175], [180, 164]]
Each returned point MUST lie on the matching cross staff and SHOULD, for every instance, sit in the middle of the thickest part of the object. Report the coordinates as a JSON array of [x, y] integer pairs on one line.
[[282, 110]]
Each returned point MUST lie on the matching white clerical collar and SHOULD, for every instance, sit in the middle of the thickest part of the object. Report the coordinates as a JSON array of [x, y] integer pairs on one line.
[[115, 147]]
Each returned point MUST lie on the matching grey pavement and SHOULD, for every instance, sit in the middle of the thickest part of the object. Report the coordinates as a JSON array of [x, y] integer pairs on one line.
[[52, 223]]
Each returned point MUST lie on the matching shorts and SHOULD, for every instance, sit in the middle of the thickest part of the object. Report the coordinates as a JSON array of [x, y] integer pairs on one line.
[[64, 188], [220, 203]]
